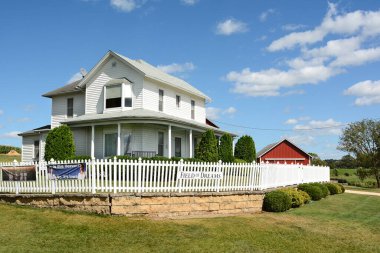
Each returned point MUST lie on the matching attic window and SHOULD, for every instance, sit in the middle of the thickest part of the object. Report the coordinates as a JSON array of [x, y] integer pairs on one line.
[[113, 64], [113, 96]]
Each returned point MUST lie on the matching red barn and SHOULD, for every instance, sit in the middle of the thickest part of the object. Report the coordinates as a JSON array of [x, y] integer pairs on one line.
[[284, 152]]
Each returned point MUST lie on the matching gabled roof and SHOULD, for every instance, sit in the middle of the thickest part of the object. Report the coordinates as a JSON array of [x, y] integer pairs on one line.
[[269, 147], [36, 130], [69, 88], [148, 71]]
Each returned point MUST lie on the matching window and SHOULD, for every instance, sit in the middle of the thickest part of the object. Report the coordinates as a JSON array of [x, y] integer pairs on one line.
[[160, 144], [70, 107], [177, 147], [36, 150], [192, 109], [178, 101], [113, 96], [110, 143], [160, 100], [127, 89]]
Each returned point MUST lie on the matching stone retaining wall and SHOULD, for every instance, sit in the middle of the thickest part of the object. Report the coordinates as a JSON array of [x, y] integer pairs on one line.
[[147, 204]]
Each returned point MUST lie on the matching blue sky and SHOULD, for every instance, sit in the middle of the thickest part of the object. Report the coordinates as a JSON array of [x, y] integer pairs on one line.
[[285, 65]]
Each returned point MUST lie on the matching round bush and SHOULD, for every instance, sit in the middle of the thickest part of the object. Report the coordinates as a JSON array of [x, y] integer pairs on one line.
[[342, 188], [314, 191], [306, 197], [277, 201], [333, 188], [296, 197], [324, 189]]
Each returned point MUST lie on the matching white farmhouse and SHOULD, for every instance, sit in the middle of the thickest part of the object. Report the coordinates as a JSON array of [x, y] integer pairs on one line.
[[125, 107]]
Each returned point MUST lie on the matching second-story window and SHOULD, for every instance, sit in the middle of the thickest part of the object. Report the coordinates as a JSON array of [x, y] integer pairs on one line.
[[127, 95], [178, 101], [160, 100], [113, 96], [70, 107], [192, 109]]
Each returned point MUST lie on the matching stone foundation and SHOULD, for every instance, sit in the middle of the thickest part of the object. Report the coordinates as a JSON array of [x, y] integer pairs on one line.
[[147, 204]]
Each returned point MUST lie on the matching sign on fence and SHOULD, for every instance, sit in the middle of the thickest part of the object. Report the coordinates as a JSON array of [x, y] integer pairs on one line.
[[200, 175], [67, 171], [19, 173]]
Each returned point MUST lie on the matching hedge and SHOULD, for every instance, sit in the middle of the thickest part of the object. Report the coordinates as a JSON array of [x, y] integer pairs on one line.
[[314, 191], [226, 149], [60, 144], [277, 201], [333, 188], [207, 148], [298, 198], [324, 189]]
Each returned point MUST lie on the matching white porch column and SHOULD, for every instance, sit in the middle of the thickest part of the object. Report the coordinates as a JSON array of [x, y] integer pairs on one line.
[[93, 141], [169, 141], [191, 143], [118, 139]]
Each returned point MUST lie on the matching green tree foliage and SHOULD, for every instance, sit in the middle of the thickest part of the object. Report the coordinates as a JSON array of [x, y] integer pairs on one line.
[[316, 160], [245, 149], [59, 144], [362, 139], [6, 149], [207, 149], [225, 148]]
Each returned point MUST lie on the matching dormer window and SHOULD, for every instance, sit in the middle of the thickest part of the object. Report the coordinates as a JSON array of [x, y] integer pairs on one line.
[[118, 95], [113, 96]]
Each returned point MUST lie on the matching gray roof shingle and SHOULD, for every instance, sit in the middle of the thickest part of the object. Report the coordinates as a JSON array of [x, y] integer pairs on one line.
[[69, 88]]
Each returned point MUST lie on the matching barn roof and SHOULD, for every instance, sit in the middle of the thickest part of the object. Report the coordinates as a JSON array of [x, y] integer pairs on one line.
[[269, 147]]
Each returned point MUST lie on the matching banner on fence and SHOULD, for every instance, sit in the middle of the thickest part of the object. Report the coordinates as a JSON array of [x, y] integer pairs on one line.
[[200, 175], [67, 171], [19, 173]]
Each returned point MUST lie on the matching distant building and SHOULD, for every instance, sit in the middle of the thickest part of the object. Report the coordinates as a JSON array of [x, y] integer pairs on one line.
[[284, 152]]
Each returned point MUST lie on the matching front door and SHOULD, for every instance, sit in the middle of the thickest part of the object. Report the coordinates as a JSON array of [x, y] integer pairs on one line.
[[177, 147]]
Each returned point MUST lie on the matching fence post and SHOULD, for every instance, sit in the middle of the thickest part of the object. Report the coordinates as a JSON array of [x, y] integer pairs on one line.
[[139, 174], [114, 174], [179, 181], [219, 169], [93, 178], [251, 175]]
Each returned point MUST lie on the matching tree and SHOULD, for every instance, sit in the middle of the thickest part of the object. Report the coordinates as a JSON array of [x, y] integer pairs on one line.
[[362, 139], [245, 149], [316, 160], [59, 144], [225, 148], [348, 162], [207, 149]]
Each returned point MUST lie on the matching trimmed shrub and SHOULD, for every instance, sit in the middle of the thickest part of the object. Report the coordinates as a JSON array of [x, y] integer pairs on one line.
[[296, 197], [324, 189], [207, 148], [277, 201], [237, 160], [314, 191], [333, 188], [306, 197], [80, 157], [245, 149], [342, 188], [60, 144], [225, 149]]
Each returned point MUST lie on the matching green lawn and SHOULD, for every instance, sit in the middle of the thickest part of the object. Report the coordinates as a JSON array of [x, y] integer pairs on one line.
[[340, 223], [352, 179], [7, 158]]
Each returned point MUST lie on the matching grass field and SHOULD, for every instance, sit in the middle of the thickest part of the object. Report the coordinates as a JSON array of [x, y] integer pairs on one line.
[[340, 223], [7, 158], [352, 179]]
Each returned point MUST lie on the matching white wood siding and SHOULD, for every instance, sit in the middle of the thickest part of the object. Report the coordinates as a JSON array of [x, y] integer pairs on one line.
[[94, 90], [150, 101], [28, 148], [59, 107], [80, 140]]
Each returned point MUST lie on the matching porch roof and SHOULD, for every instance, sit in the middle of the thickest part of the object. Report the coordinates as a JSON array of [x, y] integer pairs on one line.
[[36, 130], [140, 114]]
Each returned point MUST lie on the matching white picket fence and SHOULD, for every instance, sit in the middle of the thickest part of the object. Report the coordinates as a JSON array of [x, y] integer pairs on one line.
[[117, 176]]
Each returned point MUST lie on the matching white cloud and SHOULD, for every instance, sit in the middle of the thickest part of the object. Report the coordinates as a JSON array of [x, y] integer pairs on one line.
[[292, 27], [13, 134], [231, 26], [315, 64], [320, 127], [214, 113], [301, 140], [126, 5], [75, 77], [291, 121], [1, 112], [264, 15], [189, 2], [368, 92], [177, 67]]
